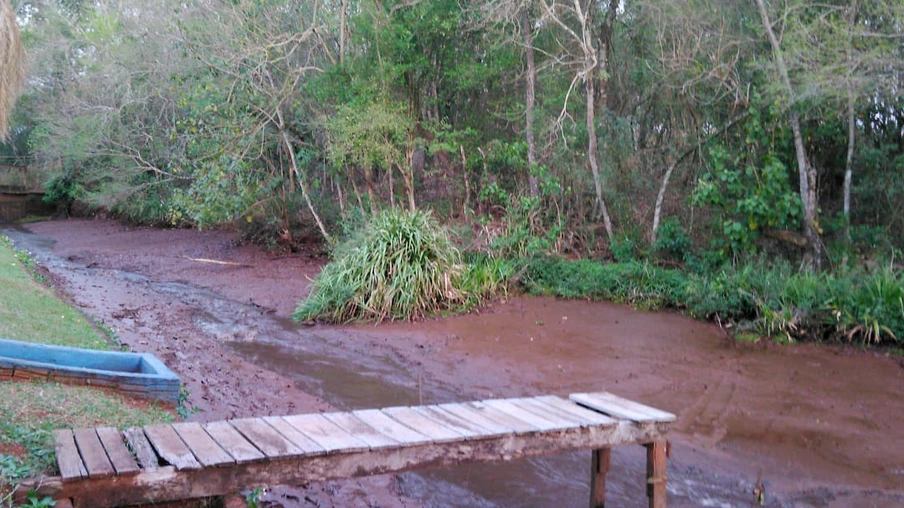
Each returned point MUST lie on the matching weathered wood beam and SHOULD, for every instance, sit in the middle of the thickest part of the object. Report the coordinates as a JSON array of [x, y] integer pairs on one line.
[[599, 466], [656, 473], [167, 484]]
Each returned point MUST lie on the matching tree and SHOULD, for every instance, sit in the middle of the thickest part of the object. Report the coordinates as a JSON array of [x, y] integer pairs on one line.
[[577, 20], [806, 172], [12, 64]]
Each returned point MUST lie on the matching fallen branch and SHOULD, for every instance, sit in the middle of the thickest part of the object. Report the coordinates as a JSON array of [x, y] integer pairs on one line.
[[217, 262]]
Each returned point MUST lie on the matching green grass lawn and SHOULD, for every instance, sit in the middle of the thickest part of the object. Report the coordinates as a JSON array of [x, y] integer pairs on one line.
[[31, 312], [30, 411]]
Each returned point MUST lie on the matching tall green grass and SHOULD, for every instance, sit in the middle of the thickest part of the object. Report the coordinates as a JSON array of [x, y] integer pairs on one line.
[[859, 305], [400, 265]]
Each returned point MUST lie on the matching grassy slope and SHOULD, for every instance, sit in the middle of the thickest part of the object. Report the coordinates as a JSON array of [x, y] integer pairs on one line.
[[29, 411], [31, 312]]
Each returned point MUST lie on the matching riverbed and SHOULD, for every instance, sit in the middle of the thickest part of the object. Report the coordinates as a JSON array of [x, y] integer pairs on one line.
[[820, 425]]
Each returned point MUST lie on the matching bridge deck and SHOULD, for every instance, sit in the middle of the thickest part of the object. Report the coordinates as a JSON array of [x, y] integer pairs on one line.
[[105, 467]]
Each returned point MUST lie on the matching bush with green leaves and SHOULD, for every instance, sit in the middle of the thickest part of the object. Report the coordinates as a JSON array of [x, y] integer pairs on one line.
[[865, 306], [400, 265]]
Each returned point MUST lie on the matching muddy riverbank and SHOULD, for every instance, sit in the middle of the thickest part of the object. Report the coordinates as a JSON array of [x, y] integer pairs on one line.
[[821, 424]]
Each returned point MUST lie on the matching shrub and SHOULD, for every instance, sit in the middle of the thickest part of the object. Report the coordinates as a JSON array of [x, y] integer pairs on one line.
[[400, 265], [859, 305], [636, 283]]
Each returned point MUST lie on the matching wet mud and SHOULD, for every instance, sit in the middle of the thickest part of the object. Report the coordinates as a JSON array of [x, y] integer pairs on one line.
[[819, 424]]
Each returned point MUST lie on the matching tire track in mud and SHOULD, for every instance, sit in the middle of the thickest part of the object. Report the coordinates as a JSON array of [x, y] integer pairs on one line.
[[705, 419]]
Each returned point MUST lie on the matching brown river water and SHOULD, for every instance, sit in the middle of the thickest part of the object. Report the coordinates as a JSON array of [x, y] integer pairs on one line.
[[822, 425]]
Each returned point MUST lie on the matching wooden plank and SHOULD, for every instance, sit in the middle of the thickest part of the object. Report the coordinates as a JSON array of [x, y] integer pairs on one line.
[[475, 417], [466, 428], [292, 434], [620, 407], [354, 426], [326, 433], [142, 448], [656, 473], [266, 438], [204, 448], [92, 451], [167, 484], [430, 428], [579, 411], [516, 424], [68, 459], [532, 406], [233, 442], [119, 455], [541, 422], [600, 462], [389, 427], [170, 447]]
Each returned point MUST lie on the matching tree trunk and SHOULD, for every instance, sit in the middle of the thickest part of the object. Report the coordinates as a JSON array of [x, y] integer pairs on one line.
[[530, 101], [657, 210], [464, 172], [342, 30], [849, 163], [603, 52], [852, 126], [806, 174], [290, 152], [591, 156], [371, 192], [408, 177]]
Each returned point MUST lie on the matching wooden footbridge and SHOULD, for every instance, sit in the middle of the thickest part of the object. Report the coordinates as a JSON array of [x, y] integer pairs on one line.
[[104, 467]]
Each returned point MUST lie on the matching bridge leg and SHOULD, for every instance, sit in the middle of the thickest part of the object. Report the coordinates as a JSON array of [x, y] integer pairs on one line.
[[656, 468], [599, 466]]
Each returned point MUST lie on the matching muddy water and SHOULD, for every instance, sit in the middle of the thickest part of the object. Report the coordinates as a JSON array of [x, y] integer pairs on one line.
[[821, 425]]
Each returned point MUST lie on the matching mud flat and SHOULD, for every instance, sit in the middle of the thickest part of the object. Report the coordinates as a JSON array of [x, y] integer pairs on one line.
[[821, 424]]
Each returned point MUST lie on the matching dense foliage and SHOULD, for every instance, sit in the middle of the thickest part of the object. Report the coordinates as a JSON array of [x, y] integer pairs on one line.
[[683, 132]]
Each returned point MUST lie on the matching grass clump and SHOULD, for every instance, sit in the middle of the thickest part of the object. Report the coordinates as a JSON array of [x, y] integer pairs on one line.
[[399, 265]]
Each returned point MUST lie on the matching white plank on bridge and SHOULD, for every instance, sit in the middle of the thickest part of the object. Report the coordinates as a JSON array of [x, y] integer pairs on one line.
[[205, 449], [92, 451], [476, 417], [623, 408], [548, 413], [386, 425], [170, 447], [142, 448], [326, 433], [119, 455], [266, 438], [570, 407], [541, 422], [68, 459], [233, 442], [354, 426], [517, 425], [292, 434], [436, 431], [466, 428]]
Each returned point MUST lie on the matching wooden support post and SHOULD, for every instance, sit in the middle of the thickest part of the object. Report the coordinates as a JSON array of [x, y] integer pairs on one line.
[[656, 469], [599, 466]]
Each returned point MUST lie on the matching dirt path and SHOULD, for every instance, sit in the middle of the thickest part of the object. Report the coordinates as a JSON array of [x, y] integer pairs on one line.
[[822, 424]]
